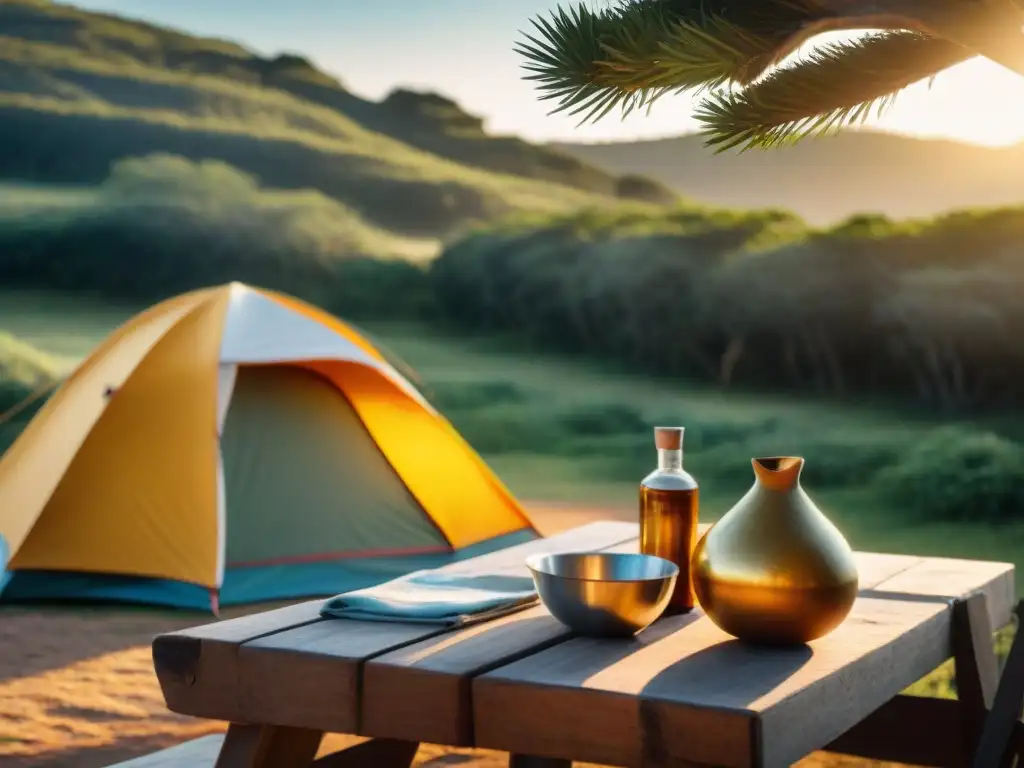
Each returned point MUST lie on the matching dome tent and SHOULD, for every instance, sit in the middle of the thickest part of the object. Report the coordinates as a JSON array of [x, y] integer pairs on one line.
[[234, 445]]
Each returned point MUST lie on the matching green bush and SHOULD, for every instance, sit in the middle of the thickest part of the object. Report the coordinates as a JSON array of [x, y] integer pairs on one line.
[[25, 373], [161, 225], [457, 396], [605, 420], [704, 435], [508, 430], [925, 311], [959, 475], [836, 463]]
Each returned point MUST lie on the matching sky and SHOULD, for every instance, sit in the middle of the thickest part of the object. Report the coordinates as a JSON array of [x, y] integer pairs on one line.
[[464, 50]]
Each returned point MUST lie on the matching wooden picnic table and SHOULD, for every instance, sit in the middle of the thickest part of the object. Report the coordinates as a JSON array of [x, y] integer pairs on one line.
[[680, 693]]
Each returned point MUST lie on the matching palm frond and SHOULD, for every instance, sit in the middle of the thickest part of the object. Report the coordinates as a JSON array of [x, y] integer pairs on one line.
[[836, 85]]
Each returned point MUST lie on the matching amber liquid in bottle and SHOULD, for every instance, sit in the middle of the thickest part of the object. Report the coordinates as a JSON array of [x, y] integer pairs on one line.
[[669, 505]]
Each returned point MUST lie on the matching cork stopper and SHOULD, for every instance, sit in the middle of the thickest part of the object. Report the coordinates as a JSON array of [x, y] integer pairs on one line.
[[668, 438]]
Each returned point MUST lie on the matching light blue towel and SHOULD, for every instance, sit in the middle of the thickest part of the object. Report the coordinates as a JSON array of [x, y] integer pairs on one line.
[[432, 597]]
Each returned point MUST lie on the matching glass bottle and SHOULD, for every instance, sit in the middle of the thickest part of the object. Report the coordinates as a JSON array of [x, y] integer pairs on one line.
[[668, 514]]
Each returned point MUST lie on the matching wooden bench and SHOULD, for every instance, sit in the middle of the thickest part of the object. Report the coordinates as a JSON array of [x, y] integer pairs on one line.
[[681, 693]]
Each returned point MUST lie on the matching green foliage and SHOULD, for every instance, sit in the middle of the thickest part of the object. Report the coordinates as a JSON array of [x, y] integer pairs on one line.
[[959, 475], [926, 311], [25, 376], [604, 420], [162, 225], [614, 437], [472, 395], [24, 365]]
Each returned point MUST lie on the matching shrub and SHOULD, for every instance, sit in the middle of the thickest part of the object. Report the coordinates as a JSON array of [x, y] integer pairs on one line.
[[758, 300], [508, 430], [959, 475], [456, 396], [161, 225], [25, 372], [605, 420]]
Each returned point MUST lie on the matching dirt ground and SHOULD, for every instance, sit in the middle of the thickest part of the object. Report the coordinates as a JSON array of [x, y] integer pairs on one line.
[[77, 688]]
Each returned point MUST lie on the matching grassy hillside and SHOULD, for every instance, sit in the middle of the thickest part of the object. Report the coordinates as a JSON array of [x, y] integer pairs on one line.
[[79, 91], [162, 224], [825, 180]]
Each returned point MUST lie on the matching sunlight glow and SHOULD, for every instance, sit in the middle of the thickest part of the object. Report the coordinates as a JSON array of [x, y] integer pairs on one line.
[[978, 101]]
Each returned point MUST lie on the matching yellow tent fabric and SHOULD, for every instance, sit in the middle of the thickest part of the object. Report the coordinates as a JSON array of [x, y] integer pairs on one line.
[[119, 472]]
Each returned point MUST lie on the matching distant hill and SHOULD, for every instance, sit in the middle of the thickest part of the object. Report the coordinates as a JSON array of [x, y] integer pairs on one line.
[[80, 90], [828, 179]]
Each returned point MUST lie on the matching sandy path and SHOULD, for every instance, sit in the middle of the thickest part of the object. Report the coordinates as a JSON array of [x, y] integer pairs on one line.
[[77, 688]]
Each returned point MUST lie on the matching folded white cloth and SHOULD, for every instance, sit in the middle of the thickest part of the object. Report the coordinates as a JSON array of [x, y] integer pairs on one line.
[[434, 597]]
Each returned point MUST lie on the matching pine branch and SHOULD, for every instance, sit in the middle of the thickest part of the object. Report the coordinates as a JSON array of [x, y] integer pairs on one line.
[[633, 54], [834, 86]]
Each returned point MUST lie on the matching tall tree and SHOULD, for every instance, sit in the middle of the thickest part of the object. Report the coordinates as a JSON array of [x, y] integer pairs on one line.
[[629, 53]]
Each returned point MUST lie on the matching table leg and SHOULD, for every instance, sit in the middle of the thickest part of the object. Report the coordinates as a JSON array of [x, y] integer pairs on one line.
[[375, 753], [997, 747], [977, 671], [528, 761], [268, 746]]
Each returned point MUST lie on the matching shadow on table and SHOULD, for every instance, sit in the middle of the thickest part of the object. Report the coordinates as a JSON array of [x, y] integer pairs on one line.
[[683, 658], [728, 674]]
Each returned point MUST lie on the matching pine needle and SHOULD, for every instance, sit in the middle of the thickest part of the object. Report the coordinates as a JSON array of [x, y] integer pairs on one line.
[[627, 57], [634, 52], [836, 85]]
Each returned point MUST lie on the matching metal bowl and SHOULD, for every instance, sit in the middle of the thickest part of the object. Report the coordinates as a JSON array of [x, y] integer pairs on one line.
[[604, 594]]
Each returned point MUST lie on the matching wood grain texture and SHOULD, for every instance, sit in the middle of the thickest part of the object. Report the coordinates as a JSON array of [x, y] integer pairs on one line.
[[423, 690], [197, 667], [681, 691], [684, 691], [291, 668], [977, 669], [945, 579], [268, 746]]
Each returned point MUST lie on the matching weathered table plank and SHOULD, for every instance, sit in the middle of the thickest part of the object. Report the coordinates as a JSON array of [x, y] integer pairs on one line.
[[290, 667], [423, 690], [944, 579], [683, 690], [197, 667]]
